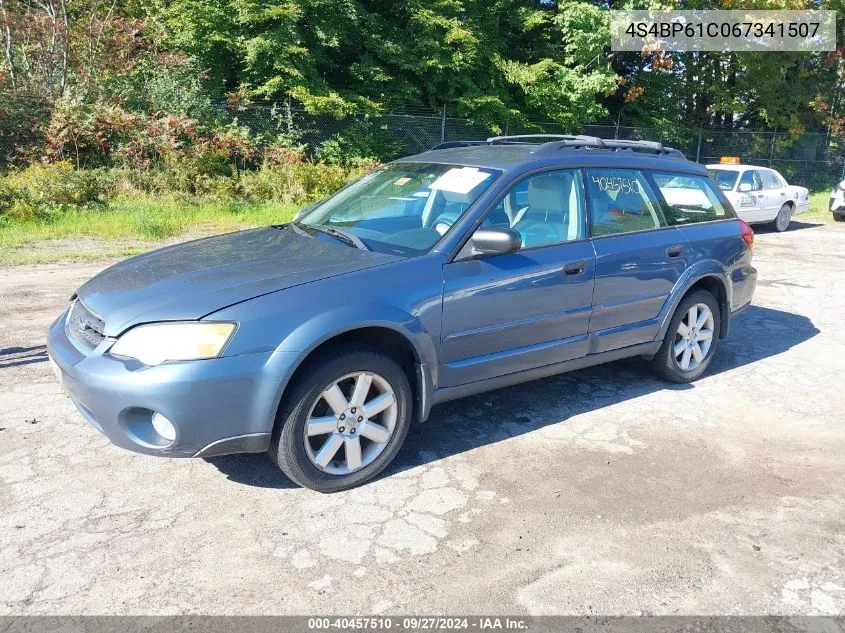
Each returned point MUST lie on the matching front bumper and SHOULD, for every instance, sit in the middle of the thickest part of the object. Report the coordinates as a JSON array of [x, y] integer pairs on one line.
[[217, 406]]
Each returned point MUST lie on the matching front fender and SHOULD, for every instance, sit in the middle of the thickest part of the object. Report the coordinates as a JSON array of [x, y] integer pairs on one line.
[[308, 336], [312, 333], [292, 323]]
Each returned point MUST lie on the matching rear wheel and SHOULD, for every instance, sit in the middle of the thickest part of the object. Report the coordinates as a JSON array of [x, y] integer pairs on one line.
[[839, 217], [691, 339], [781, 222], [344, 421]]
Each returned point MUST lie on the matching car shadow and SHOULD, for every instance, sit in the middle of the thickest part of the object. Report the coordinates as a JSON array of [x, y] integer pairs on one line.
[[252, 469], [794, 225], [18, 356], [469, 423]]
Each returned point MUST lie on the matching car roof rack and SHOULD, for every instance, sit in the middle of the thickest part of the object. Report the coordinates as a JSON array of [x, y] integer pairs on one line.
[[573, 139], [449, 144], [556, 142]]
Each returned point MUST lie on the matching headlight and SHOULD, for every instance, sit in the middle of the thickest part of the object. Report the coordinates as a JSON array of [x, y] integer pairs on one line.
[[155, 343]]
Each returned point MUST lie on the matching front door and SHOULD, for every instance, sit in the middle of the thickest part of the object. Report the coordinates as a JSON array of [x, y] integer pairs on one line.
[[639, 258], [759, 211], [508, 313]]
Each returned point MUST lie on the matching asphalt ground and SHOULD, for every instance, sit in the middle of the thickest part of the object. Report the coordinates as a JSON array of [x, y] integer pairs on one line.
[[604, 491]]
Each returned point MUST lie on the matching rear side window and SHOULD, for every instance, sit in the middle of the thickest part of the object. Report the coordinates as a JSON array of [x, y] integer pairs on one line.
[[688, 199], [769, 180], [621, 201]]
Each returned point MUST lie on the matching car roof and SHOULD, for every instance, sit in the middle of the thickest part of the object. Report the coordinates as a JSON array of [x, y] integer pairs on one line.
[[517, 157], [737, 167]]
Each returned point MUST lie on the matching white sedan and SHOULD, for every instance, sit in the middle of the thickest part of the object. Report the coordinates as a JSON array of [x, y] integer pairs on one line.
[[837, 202], [760, 194]]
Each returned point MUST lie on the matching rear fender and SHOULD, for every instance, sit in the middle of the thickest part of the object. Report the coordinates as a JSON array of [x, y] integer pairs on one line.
[[695, 273]]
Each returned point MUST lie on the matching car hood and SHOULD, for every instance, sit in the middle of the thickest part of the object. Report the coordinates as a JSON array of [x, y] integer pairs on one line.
[[191, 280]]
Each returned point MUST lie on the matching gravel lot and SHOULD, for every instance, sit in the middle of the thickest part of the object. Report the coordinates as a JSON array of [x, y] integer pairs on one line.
[[601, 491]]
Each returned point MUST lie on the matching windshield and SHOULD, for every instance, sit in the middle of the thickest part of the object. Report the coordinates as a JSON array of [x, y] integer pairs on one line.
[[402, 208], [725, 178]]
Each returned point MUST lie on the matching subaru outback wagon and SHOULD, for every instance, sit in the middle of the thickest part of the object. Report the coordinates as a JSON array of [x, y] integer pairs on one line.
[[470, 267]]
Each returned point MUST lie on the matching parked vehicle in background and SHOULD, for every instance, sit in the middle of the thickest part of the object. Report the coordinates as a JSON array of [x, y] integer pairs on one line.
[[837, 202], [471, 267], [760, 195]]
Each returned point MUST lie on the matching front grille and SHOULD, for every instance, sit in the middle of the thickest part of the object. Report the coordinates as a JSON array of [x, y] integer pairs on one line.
[[84, 326]]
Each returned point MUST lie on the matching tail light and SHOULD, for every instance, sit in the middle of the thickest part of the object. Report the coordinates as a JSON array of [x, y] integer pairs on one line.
[[747, 234]]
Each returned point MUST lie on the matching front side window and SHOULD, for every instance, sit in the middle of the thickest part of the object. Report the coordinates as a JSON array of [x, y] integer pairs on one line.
[[751, 178], [688, 199], [545, 209], [621, 201], [402, 208]]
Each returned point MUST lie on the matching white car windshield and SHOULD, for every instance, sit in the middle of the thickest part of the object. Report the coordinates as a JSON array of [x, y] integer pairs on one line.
[[402, 208], [725, 178]]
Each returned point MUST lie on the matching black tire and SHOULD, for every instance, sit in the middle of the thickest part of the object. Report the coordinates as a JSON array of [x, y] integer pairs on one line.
[[664, 363], [287, 447], [838, 217], [781, 222]]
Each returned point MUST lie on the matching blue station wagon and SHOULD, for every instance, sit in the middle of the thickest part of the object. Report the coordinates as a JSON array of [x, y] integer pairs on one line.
[[470, 267]]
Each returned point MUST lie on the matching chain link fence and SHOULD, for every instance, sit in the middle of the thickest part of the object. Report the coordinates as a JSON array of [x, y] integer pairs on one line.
[[812, 158]]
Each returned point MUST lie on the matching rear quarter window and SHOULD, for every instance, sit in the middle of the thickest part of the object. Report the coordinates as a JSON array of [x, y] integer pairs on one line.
[[689, 199]]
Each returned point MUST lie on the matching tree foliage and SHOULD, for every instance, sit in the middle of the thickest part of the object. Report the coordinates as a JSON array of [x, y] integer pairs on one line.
[[109, 78]]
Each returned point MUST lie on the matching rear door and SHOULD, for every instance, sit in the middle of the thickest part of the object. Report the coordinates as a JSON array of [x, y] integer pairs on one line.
[[774, 192], [759, 211], [639, 258]]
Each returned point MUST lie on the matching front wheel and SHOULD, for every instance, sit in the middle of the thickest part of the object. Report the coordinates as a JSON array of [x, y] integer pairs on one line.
[[839, 217], [344, 421], [781, 222], [691, 339]]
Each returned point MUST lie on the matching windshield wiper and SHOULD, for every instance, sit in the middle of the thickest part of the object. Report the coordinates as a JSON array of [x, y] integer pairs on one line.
[[296, 228], [340, 234]]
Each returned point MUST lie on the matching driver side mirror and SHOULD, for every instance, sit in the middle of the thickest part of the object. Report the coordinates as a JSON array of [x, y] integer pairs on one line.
[[744, 187], [495, 241]]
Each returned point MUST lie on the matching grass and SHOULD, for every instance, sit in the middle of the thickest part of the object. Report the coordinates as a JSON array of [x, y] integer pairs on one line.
[[128, 226], [131, 225], [819, 202]]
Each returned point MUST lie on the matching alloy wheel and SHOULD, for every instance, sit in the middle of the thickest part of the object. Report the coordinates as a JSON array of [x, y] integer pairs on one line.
[[350, 423], [694, 337]]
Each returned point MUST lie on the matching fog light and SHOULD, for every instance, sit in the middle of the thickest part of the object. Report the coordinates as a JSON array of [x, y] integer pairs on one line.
[[164, 427]]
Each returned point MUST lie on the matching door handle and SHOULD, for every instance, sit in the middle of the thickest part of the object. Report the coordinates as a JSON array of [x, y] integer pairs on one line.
[[675, 251], [760, 195], [783, 193], [575, 268]]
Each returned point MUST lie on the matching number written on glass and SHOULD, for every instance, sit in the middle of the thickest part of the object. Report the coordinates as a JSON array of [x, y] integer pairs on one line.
[[616, 183]]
